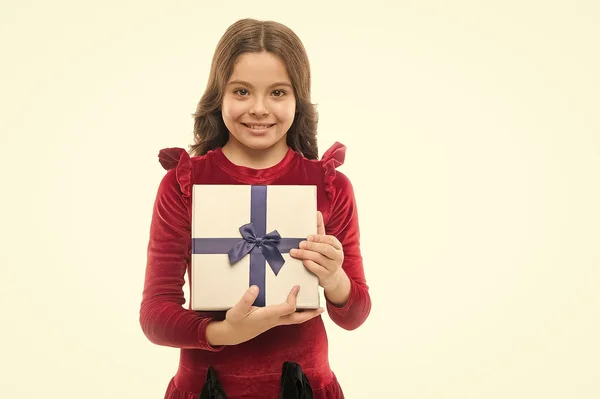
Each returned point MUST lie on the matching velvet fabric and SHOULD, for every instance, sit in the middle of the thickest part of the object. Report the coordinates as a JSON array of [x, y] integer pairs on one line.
[[251, 369]]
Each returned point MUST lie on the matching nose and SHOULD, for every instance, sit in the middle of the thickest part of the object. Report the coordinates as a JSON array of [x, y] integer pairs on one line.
[[259, 108]]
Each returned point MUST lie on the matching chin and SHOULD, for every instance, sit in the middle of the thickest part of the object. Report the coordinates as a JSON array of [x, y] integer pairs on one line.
[[257, 146], [260, 142]]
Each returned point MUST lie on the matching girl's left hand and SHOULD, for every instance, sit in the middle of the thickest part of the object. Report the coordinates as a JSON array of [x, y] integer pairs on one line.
[[321, 254]]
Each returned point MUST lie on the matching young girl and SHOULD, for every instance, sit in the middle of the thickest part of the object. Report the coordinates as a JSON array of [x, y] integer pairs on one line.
[[255, 124]]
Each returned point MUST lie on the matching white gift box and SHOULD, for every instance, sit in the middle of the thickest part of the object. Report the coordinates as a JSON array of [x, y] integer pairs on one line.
[[230, 220]]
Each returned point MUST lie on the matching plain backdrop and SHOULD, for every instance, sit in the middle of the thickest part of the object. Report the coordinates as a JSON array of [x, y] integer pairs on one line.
[[473, 142]]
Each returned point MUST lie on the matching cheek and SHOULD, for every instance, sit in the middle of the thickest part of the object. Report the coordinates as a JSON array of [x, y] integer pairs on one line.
[[286, 110], [233, 110]]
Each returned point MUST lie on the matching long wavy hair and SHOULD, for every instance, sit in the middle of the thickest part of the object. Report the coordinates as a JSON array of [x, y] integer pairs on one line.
[[250, 35]]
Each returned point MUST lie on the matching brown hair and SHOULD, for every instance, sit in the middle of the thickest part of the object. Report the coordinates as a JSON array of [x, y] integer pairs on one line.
[[250, 35]]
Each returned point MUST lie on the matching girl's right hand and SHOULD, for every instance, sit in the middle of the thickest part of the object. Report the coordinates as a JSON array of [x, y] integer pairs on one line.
[[244, 321]]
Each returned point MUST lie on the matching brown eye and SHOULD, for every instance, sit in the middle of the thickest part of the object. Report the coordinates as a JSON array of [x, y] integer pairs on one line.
[[241, 92], [278, 93]]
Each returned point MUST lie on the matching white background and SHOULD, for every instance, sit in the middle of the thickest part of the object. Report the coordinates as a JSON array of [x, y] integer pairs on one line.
[[473, 144]]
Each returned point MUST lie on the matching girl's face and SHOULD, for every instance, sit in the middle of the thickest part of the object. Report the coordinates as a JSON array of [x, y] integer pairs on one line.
[[259, 104]]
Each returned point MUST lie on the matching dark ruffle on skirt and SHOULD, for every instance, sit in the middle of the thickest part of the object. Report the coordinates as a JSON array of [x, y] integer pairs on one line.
[[293, 385]]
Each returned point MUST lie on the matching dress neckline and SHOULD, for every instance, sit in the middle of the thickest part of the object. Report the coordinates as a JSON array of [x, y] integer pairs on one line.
[[246, 173]]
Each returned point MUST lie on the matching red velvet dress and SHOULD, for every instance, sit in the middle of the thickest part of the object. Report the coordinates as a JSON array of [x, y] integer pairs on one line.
[[251, 369]]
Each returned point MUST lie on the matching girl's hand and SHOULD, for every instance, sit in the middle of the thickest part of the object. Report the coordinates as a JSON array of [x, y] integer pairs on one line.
[[323, 255], [245, 321]]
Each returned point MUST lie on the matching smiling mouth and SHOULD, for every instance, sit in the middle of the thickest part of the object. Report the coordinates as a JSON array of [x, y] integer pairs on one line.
[[258, 127]]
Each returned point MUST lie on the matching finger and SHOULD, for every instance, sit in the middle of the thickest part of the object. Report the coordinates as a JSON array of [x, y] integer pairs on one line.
[[284, 308], [315, 268], [300, 317], [244, 306], [320, 223], [324, 249], [305, 254], [325, 239]]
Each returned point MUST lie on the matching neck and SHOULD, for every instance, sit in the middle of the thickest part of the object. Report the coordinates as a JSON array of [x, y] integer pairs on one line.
[[255, 158]]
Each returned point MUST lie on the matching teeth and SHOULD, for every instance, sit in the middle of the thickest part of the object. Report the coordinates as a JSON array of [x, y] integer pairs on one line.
[[258, 127]]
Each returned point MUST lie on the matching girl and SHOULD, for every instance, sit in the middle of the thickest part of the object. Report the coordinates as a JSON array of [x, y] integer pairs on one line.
[[255, 124]]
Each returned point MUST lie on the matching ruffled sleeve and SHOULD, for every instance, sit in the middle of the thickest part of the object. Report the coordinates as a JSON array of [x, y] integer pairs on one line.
[[178, 158], [331, 159], [163, 318], [343, 224]]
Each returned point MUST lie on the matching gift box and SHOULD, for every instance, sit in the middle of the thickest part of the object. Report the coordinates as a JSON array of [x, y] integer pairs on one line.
[[242, 235]]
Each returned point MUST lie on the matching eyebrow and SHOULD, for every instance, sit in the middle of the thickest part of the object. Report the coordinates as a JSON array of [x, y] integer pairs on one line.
[[241, 82]]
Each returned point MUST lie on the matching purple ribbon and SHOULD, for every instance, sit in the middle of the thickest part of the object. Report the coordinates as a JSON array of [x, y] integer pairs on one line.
[[255, 241]]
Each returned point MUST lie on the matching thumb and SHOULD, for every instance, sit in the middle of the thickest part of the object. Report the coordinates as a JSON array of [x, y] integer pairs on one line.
[[243, 307], [320, 224]]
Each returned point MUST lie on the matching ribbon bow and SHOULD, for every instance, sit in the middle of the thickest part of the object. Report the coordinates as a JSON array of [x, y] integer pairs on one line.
[[266, 244]]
